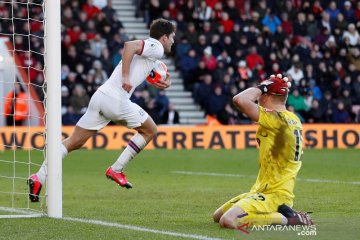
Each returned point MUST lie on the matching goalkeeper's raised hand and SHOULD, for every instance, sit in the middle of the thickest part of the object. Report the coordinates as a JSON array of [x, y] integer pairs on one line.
[[246, 100], [276, 85]]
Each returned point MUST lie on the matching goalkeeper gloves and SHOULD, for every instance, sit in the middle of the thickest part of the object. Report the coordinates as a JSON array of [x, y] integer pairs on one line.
[[276, 85]]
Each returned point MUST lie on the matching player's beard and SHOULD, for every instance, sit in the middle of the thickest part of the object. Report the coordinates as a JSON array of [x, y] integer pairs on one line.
[[168, 49]]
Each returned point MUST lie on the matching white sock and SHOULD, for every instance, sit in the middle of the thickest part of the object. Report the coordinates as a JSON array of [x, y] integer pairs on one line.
[[136, 144], [64, 151], [41, 174], [284, 220]]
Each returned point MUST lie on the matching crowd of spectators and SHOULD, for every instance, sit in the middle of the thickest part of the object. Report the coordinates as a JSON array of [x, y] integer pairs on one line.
[[225, 46], [22, 24], [222, 47], [92, 41]]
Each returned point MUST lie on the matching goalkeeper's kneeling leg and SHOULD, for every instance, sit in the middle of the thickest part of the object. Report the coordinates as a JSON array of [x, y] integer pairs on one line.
[[294, 217], [236, 216]]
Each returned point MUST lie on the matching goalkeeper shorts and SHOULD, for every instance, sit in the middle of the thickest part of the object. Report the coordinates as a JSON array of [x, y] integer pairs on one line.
[[257, 202]]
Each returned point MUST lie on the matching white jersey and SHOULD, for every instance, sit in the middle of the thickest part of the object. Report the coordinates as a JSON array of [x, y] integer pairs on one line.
[[140, 67]]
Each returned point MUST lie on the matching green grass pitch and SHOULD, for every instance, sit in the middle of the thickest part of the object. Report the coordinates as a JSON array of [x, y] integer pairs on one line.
[[183, 203]]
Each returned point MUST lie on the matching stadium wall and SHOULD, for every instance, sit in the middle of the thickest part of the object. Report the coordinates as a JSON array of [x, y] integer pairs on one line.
[[316, 136]]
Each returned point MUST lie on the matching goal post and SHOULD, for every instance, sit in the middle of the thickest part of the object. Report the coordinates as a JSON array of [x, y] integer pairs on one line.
[[53, 107], [30, 77]]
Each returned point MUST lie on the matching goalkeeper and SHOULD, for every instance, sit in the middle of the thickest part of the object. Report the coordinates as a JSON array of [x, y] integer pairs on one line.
[[279, 136]]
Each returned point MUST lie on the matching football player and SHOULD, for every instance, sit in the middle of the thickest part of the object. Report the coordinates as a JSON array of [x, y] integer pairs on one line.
[[111, 102], [280, 140]]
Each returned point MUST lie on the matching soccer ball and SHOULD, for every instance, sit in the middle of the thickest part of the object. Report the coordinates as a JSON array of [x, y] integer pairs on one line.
[[157, 73]]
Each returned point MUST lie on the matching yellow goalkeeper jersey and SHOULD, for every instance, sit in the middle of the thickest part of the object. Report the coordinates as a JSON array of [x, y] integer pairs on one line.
[[280, 139]]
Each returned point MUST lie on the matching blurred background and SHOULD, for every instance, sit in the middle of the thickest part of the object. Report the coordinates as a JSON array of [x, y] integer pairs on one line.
[[222, 47]]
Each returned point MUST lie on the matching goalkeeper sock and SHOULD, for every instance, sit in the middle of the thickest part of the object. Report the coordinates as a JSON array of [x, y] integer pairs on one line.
[[136, 144], [258, 219], [41, 174]]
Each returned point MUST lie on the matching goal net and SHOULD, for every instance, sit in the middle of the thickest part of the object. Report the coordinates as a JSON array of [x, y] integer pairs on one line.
[[25, 107]]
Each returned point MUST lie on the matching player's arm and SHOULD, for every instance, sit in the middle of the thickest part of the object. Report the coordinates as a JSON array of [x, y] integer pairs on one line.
[[245, 102], [130, 49]]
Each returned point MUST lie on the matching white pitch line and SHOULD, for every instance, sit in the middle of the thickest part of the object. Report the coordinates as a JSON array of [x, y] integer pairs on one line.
[[252, 176], [140, 229], [25, 213], [107, 224], [21, 216], [327, 181], [213, 174]]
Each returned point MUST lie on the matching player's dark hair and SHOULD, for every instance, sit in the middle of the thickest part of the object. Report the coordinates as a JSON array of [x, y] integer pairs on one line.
[[160, 27]]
